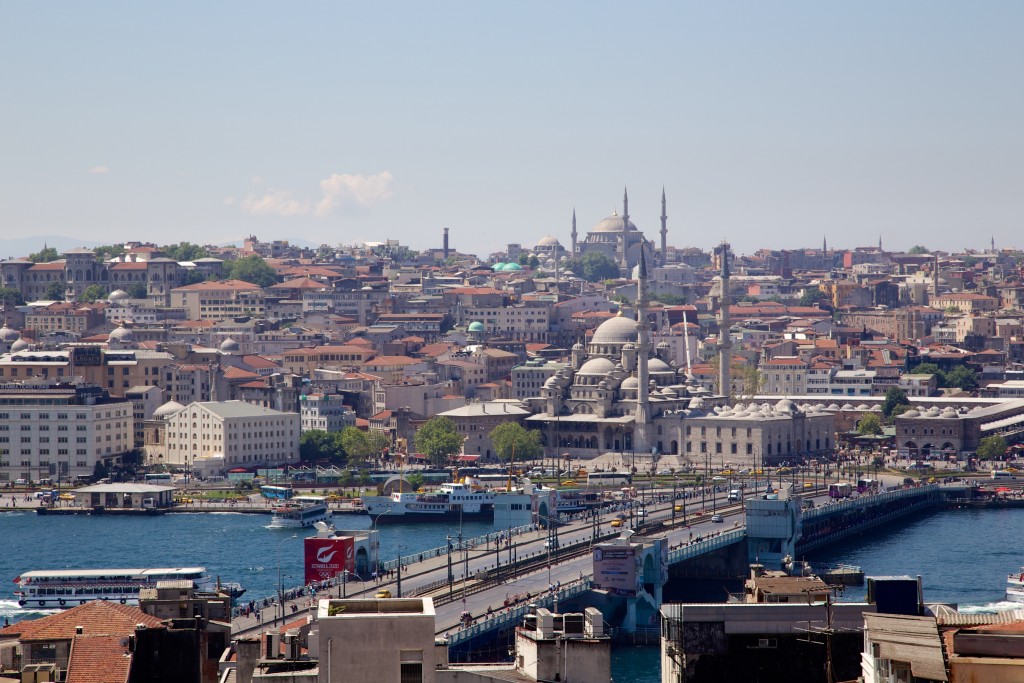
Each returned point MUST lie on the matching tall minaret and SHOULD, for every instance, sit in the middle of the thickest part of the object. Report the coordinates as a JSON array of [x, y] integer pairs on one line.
[[664, 230], [935, 278], [625, 205], [641, 434], [724, 338], [573, 233], [623, 239]]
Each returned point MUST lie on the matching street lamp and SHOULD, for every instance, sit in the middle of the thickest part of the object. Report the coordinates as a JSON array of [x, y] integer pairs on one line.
[[280, 586]]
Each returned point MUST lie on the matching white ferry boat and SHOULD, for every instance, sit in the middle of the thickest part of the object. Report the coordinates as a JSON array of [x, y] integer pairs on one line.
[[1015, 586], [54, 589], [300, 512], [452, 501]]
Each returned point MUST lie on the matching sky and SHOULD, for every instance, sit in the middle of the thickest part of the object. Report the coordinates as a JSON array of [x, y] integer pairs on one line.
[[769, 124]]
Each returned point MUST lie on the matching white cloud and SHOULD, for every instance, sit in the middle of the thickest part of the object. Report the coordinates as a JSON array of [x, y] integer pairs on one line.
[[346, 189], [338, 190], [99, 170], [278, 202]]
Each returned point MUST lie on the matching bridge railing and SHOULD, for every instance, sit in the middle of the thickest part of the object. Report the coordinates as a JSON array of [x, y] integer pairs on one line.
[[443, 550], [866, 501], [695, 548], [507, 618], [872, 522]]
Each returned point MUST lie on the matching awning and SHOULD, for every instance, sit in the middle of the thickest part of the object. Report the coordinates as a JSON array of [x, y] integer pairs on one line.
[[467, 458]]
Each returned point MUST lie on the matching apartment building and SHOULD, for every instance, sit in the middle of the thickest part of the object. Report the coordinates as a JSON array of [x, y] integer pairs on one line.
[[215, 300]]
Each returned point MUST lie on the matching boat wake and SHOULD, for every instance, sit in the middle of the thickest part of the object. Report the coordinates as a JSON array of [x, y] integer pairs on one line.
[[991, 607], [11, 608]]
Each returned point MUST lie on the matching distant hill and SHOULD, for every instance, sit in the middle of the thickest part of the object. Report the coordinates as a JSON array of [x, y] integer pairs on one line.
[[21, 247]]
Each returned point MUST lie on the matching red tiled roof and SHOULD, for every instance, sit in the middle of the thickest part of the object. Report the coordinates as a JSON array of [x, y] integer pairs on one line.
[[215, 285], [99, 659], [384, 361], [95, 617], [382, 415], [300, 283], [52, 265], [129, 265], [238, 373]]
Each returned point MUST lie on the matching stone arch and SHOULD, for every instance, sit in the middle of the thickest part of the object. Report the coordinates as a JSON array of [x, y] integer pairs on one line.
[[911, 447], [674, 447]]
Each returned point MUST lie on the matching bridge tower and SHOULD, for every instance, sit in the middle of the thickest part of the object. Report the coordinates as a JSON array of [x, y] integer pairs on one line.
[[773, 528]]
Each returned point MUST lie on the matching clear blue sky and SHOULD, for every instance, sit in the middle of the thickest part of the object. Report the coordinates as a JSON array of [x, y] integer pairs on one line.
[[770, 124]]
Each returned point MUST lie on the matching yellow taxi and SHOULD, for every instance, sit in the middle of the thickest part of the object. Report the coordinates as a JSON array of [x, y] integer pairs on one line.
[[183, 501], [382, 594], [678, 508], [808, 485], [67, 496], [616, 523], [568, 482]]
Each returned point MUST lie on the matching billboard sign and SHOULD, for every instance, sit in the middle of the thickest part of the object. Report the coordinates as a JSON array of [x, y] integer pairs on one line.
[[328, 557], [615, 569]]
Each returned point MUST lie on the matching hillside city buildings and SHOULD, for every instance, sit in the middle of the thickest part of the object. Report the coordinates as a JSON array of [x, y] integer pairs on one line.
[[693, 353]]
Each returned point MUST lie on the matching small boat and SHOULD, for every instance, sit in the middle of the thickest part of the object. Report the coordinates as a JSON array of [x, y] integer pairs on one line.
[[1015, 586], [300, 512], [843, 575]]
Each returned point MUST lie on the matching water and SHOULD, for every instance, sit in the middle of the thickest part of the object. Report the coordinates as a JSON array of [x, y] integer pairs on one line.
[[234, 546], [963, 556]]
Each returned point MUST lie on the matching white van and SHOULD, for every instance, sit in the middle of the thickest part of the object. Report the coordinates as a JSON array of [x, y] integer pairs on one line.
[[734, 494]]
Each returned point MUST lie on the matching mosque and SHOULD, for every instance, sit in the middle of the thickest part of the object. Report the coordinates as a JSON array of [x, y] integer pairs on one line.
[[617, 237]]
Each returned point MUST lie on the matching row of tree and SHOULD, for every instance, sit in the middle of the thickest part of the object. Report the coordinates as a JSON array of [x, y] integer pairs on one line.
[[438, 439]]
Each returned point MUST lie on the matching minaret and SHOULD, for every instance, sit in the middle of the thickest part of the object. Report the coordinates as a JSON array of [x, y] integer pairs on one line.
[[641, 434], [879, 242], [724, 338], [625, 206], [664, 230], [573, 233], [935, 278], [993, 244]]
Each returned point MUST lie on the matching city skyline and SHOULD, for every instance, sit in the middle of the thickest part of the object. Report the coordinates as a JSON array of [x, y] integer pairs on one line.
[[767, 126]]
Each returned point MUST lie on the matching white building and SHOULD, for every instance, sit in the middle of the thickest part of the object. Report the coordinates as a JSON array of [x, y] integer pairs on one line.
[[60, 431], [214, 437], [326, 412]]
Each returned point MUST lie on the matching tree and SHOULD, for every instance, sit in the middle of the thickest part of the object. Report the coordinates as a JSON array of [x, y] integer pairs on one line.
[[136, 290], [869, 425], [439, 440], [928, 369], [93, 293], [185, 251], [669, 299], [251, 269], [416, 481], [511, 439], [191, 277], [55, 291], [9, 295], [594, 266], [317, 444], [961, 377], [357, 445], [918, 249], [109, 251], [813, 297], [992, 448], [44, 255], [378, 441], [893, 397]]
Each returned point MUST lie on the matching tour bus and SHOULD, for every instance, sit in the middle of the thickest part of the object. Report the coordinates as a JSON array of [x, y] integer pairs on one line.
[[609, 478], [1003, 474], [158, 478], [276, 492], [839, 490]]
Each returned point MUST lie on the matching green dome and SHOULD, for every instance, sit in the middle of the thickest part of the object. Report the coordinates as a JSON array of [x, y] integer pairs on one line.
[[476, 326], [498, 266], [512, 266]]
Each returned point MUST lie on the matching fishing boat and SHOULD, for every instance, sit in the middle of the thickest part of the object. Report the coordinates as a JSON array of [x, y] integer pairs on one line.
[[300, 512], [1015, 586]]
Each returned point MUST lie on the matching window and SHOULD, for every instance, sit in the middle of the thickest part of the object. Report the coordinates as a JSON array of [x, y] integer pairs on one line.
[[411, 672]]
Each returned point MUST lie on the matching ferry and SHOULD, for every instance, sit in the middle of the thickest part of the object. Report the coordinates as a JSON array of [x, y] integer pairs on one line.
[[452, 502], [62, 588], [1015, 586], [300, 512]]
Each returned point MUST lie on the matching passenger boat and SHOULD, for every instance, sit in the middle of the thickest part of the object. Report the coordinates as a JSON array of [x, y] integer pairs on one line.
[[1015, 586], [54, 589], [452, 502], [300, 512]]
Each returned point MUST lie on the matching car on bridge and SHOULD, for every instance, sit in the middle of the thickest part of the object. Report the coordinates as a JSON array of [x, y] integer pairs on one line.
[[717, 518]]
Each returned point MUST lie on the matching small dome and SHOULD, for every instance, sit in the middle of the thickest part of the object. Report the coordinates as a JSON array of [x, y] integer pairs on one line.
[[229, 345], [547, 241], [662, 345], [498, 266], [19, 345], [512, 267], [167, 409], [658, 365], [121, 334], [911, 413], [577, 347], [863, 407], [631, 383], [118, 295], [785, 406], [7, 334], [551, 382], [475, 326], [597, 366], [833, 406]]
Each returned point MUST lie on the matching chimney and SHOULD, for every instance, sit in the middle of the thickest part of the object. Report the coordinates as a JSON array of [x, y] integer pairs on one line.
[[446, 244], [79, 630]]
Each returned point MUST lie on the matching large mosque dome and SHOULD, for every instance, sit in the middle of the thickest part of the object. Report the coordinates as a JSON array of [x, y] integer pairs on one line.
[[614, 223], [617, 330]]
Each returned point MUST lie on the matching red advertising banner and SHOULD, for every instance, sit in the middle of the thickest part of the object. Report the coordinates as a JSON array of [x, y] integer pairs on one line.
[[327, 557]]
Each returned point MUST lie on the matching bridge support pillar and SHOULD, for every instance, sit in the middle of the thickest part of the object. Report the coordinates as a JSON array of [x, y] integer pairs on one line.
[[773, 529]]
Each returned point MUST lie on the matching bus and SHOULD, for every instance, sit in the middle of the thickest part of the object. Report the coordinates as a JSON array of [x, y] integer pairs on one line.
[[276, 492], [158, 478], [609, 479], [868, 486], [839, 490], [1003, 474]]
